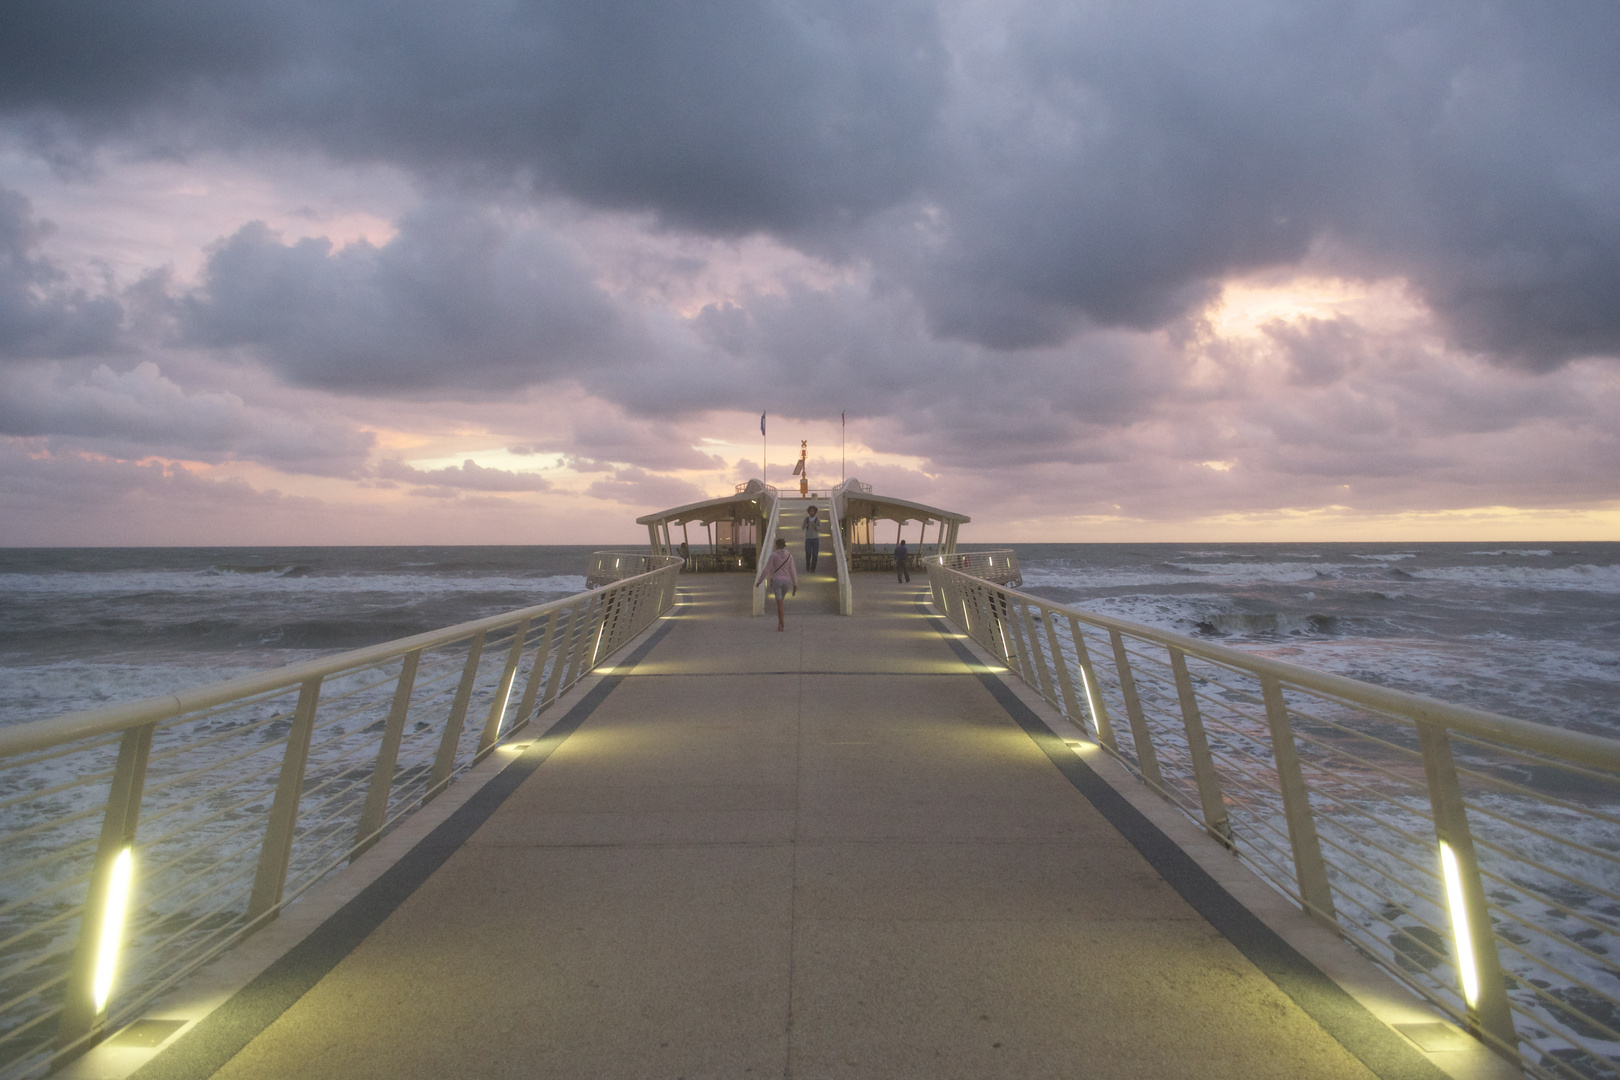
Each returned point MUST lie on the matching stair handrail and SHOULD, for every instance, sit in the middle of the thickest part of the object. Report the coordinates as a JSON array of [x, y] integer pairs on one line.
[[767, 543], [846, 596]]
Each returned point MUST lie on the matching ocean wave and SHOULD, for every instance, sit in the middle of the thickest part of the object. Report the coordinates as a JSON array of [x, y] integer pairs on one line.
[[1237, 573], [1583, 578], [1541, 553], [287, 579], [1395, 557], [1064, 577], [1268, 623], [273, 571], [38, 691]]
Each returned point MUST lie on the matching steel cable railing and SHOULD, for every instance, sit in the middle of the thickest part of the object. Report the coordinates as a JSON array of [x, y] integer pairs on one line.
[[1473, 855], [204, 813]]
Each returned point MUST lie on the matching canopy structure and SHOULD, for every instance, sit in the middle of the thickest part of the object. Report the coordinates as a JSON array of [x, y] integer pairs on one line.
[[861, 509], [730, 527]]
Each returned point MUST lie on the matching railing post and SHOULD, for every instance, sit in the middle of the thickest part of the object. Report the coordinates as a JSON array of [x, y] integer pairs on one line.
[[1488, 1012], [1146, 759], [1037, 656], [503, 690], [274, 856], [1065, 680], [382, 773], [1310, 870], [444, 763], [564, 649], [584, 642], [991, 635], [1094, 698], [536, 674], [613, 611], [1203, 762], [979, 625], [1017, 656], [81, 1012]]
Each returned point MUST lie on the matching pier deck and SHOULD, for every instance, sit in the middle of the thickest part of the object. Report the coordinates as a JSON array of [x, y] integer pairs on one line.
[[825, 853]]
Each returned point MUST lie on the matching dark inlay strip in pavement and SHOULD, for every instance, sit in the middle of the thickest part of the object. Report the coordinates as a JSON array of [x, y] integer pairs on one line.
[[226, 1031], [1343, 1017]]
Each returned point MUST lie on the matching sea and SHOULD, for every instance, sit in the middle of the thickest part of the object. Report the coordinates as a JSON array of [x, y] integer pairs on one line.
[[1531, 630]]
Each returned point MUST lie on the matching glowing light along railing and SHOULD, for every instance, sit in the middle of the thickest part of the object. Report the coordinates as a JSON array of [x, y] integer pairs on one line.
[[246, 794], [1475, 856]]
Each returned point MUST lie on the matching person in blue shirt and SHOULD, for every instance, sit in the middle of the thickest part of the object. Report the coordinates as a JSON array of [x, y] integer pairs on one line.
[[902, 562], [812, 539]]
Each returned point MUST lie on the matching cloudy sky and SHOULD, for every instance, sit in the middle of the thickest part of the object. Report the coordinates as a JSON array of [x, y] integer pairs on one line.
[[514, 271]]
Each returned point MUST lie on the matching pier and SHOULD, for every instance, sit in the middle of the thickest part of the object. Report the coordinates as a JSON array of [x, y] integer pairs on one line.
[[839, 851], [936, 829]]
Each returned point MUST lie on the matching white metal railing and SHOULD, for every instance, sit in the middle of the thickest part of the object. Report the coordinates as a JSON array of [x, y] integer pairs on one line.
[[246, 793], [606, 567], [999, 565], [1474, 855]]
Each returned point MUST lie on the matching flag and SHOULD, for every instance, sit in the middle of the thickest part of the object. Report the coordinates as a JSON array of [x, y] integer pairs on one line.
[[762, 423]]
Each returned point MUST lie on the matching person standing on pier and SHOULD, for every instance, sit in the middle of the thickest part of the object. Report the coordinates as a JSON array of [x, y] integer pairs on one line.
[[812, 539], [902, 561], [783, 573]]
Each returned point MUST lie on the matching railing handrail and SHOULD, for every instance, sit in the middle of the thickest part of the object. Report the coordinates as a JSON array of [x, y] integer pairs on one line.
[[1578, 746], [70, 727]]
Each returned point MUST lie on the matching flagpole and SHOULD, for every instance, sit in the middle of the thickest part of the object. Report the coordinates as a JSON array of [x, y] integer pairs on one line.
[[841, 477], [763, 452]]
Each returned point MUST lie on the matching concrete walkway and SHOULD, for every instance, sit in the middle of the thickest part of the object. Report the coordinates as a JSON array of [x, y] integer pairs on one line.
[[825, 853]]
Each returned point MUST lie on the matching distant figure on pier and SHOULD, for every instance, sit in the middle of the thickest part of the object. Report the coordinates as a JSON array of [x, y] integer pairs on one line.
[[686, 557], [812, 539], [902, 561], [783, 573]]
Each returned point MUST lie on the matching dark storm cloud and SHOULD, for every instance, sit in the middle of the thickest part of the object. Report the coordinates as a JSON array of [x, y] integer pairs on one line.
[[139, 413], [1026, 170], [458, 299], [41, 314], [729, 115]]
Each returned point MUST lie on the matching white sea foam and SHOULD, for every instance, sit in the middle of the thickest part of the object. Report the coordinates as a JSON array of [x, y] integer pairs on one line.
[[37, 691], [1065, 577], [1396, 557], [1542, 553], [1238, 573]]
